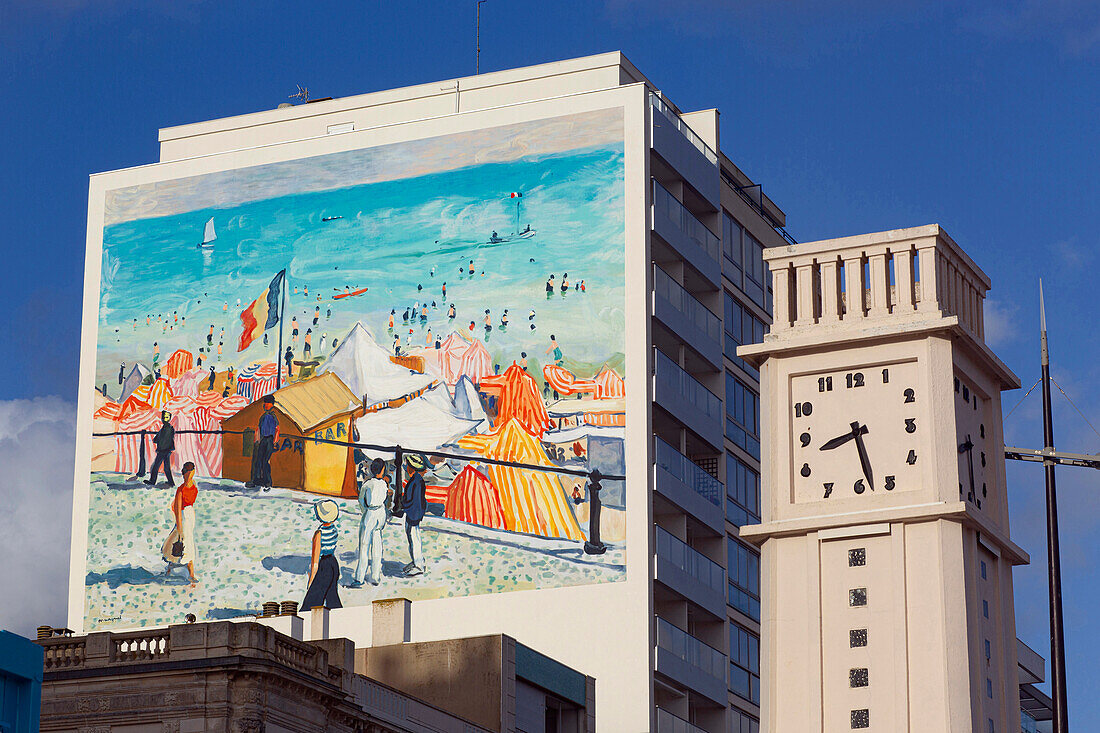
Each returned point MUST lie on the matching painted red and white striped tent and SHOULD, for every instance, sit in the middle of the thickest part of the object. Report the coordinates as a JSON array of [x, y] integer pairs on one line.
[[179, 362], [257, 380], [609, 384], [128, 447], [472, 498], [476, 363], [160, 393], [138, 401], [189, 384]]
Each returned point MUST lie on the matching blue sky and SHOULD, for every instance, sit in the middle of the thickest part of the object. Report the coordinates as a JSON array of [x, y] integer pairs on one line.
[[855, 115]]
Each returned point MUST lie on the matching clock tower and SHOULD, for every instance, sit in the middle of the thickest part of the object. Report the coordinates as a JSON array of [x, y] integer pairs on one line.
[[886, 558]]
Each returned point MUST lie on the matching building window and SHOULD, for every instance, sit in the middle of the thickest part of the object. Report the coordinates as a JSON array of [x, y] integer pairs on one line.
[[857, 597], [988, 654], [743, 260], [858, 677], [983, 569], [743, 567], [857, 638], [992, 728], [744, 663], [742, 492], [988, 688], [742, 722], [857, 558], [741, 328], [742, 415], [861, 718], [985, 608]]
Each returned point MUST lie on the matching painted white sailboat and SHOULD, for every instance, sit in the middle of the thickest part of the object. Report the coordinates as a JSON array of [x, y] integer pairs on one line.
[[208, 236]]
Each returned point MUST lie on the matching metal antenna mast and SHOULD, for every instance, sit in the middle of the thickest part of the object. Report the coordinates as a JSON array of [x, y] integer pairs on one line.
[[477, 62], [1054, 561]]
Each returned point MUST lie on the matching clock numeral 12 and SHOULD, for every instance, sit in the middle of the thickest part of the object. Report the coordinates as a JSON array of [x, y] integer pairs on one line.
[[828, 490], [854, 380]]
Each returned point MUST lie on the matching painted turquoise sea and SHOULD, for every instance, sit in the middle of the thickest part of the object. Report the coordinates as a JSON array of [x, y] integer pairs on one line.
[[402, 240]]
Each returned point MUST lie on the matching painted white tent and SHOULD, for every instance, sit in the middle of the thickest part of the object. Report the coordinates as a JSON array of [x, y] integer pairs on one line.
[[133, 380], [467, 401], [419, 424], [366, 369]]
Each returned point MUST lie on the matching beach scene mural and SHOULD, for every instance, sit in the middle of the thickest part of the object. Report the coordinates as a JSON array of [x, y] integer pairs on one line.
[[394, 371]]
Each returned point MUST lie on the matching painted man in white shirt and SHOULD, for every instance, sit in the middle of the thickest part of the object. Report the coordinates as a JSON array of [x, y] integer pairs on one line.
[[372, 502]]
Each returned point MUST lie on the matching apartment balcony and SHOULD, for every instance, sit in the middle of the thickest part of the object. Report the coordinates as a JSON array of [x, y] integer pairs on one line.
[[684, 151], [686, 317], [688, 487], [690, 574], [686, 399], [691, 663], [686, 235], [669, 723]]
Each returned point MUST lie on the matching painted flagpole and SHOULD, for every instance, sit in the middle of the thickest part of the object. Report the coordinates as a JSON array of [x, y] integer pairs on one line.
[[279, 356], [1054, 561]]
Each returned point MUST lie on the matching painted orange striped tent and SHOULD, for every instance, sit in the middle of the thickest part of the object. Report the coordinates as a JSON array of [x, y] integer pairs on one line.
[[532, 501], [472, 498], [519, 399], [609, 384], [565, 382], [160, 394], [179, 362], [136, 402]]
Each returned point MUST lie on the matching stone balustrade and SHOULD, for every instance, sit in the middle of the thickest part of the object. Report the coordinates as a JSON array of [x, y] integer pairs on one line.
[[918, 273]]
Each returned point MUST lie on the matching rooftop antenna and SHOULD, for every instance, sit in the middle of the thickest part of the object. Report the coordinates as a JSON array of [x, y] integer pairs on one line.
[[477, 62], [302, 93]]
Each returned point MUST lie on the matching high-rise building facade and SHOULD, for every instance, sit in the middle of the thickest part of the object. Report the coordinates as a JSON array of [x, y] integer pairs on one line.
[[523, 293]]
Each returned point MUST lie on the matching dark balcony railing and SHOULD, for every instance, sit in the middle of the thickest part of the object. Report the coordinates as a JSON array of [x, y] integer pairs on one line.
[[688, 472], [680, 299], [694, 652], [665, 205], [672, 375], [691, 561]]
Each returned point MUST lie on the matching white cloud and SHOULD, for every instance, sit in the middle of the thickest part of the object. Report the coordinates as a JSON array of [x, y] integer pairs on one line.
[[36, 481], [1001, 322]]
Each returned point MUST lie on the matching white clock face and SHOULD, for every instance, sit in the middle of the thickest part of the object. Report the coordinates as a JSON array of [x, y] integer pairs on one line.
[[971, 428], [855, 432]]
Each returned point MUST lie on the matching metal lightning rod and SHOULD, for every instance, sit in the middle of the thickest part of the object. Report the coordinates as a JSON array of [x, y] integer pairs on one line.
[[477, 62], [1054, 570]]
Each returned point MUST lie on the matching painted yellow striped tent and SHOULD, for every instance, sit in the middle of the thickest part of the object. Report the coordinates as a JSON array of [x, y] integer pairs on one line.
[[533, 501]]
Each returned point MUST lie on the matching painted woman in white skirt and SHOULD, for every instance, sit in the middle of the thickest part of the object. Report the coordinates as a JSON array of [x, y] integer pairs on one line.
[[180, 548]]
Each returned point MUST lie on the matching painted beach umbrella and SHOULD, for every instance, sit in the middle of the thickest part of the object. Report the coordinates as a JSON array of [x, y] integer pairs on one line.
[[563, 381], [179, 362], [519, 399], [533, 501], [609, 384], [472, 498], [257, 380], [366, 369]]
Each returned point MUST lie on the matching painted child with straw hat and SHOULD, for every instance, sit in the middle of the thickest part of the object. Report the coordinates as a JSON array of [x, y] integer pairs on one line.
[[324, 570]]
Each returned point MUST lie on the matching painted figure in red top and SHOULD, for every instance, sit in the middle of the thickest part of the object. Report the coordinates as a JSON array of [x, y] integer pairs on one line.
[[180, 548]]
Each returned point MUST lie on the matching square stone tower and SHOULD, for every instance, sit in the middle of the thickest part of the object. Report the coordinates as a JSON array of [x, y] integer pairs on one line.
[[886, 557]]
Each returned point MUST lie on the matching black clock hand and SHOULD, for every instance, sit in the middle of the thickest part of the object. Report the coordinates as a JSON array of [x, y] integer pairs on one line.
[[968, 446], [842, 439], [864, 461]]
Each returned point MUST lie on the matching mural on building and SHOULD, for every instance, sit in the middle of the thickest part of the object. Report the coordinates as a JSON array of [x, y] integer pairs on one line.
[[376, 373]]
